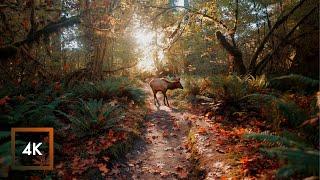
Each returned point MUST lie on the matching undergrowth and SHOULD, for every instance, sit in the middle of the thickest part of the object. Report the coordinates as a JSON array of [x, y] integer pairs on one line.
[[90, 109]]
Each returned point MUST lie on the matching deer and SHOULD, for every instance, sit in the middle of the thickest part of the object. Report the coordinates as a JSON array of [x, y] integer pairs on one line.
[[163, 84]]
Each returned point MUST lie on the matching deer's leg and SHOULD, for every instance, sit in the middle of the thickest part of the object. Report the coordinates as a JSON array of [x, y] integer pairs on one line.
[[155, 98], [167, 101], [165, 98]]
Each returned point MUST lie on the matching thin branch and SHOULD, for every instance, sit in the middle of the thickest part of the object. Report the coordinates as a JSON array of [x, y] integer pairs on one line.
[[266, 38], [121, 68], [95, 28], [264, 61], [194, 11], [11, 50]]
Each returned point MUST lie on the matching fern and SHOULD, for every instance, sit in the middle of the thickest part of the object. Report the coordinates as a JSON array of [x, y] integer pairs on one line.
[[4, 134], [295, 82], [299, 161], [31, 113], [107, 89], [234, 88], [256, 84], [300, 157], [276, 140], [277, 108], [91, 117]]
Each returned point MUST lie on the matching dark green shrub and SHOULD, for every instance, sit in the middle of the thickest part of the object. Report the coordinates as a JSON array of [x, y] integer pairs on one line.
[[299, 157], [296, 83]]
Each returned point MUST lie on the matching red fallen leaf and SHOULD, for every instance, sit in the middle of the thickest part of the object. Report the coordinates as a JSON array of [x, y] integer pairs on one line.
[[240, 131], [165, 134], [219, 118], [202, 130], [110, 133], [106, 158], [103, 168], [4, 100], [245, 160], [223, 178], [183, 174]]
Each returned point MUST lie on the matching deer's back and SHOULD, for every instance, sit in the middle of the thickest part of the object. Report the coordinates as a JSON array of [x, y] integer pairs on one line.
[[158, 84]]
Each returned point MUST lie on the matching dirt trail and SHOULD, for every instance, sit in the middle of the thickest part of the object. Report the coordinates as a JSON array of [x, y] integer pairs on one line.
[[162, 154]]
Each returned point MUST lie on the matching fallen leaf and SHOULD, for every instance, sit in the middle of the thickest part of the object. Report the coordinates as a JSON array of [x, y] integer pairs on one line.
[[103, 168], [106, 158], [3, 101], [165, 134], [202, 130]]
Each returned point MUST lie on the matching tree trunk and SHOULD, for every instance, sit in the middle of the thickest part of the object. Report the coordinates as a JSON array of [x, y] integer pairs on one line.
[[306, 61], [235, 52]]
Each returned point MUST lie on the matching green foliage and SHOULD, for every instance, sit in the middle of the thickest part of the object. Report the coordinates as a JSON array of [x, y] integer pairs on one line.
[[109, 88], [299, 161], [32, 111], [276, 140], [256, 84], [234, 88], [4, 134], [296, 83], [277, 108], [300, 158], [192, 85], [5, 152], [91, 117], [231, 88], [118, 149]]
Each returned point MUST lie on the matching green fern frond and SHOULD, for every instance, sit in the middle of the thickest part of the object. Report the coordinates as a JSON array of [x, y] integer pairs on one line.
[[285, 108], [295, 82], [302, 161], [275, 140], [299, 156], [109, 88], [4, 134]]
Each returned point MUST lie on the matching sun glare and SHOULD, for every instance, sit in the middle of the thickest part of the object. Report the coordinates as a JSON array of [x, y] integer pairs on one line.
[[179, 2], [145, 39]]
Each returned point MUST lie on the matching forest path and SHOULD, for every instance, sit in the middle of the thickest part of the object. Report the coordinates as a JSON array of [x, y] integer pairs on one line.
[[162, 155]]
